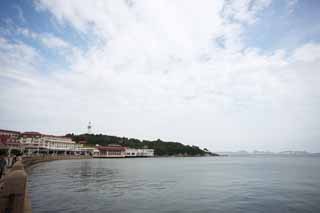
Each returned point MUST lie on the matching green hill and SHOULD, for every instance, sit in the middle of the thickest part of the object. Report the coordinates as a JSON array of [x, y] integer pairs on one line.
[[161, 148]]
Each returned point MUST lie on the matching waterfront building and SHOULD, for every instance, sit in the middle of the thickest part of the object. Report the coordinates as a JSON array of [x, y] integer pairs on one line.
[[110, 151], [40, 143], [36, 142], [9, 139], [12, 134], [7, 142], [86, 150], [117, 151], [82, 142], [131, 152]]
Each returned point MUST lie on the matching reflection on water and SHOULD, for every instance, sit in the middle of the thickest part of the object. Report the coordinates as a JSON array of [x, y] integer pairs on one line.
[[225, 184]]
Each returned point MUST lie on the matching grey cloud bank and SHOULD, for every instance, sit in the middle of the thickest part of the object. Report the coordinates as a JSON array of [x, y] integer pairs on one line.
[[163, 69]]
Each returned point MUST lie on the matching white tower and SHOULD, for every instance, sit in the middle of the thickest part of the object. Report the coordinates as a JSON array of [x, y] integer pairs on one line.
[[89, 127]]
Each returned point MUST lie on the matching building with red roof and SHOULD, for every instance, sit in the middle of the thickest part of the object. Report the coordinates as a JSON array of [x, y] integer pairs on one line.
[[10, 133], [37, 142], [111, 151], [9, 139], [117, 151]]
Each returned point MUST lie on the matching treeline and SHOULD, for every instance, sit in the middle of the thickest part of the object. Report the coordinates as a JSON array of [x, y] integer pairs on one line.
[[161, 148]]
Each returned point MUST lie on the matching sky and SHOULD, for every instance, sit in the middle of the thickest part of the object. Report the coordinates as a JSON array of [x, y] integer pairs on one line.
[[222, 74]]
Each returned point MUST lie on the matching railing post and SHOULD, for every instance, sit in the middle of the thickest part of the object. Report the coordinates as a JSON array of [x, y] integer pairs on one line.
[[15, 189]]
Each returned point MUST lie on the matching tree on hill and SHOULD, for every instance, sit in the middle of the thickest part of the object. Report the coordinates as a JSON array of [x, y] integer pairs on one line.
[[161, 148]]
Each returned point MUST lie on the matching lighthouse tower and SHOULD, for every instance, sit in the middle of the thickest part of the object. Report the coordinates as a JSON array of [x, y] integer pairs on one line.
[[89, 127]]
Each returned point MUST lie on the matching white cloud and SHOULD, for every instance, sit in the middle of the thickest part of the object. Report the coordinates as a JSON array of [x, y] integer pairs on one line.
[[175, 71], [308, 52], [18, 61], [46, 39], [53, 42], [291, 5], [244, 11]]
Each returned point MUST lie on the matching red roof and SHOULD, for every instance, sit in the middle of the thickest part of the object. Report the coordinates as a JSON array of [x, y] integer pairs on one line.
[[57, 136], [35, 134], [9, 131], [111, 148], [32, 133]]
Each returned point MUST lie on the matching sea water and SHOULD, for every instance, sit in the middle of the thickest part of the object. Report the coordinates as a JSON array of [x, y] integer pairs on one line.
[[190, 184]]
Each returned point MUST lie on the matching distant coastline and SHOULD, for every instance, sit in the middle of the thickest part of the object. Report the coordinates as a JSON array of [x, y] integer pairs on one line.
[[161, 148], [268, 153]]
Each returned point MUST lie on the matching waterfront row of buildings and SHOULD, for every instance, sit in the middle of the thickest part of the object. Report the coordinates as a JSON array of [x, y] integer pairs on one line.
[[37, 143], [114, 150]]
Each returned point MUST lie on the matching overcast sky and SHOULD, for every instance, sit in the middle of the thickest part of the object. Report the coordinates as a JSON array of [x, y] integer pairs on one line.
[[226, 75]]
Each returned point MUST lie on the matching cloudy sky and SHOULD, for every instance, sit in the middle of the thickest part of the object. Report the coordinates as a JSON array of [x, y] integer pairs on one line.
[[226, 75]]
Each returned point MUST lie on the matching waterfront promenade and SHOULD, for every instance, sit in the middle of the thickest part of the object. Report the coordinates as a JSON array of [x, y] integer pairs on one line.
[[14, 196]]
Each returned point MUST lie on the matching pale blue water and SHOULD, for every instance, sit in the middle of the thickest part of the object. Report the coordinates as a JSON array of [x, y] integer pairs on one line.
[[217, 184]]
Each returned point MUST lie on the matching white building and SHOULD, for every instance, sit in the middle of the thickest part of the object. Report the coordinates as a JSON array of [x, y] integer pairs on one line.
[[60, 143], [37, 142], [86, 150], [117, 151], [131, 152], [110, 151]]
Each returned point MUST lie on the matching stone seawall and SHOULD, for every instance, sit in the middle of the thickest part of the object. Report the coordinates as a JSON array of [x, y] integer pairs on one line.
[[28, 161], [14, 196]]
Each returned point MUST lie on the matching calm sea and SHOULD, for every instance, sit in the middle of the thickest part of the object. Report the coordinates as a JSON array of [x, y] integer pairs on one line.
[[212, 184]]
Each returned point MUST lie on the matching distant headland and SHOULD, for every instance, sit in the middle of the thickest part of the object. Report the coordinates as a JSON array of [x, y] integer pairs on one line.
[[161, 148], [282, 153], [38, 143]]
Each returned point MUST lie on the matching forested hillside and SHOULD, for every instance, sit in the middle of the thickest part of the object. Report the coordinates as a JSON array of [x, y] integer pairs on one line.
[[162, 148]]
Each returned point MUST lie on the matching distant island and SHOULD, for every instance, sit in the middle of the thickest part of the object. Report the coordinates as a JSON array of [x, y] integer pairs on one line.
[[161, 148], [255, 152]]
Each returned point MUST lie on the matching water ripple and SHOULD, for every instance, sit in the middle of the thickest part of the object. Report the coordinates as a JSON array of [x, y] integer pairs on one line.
[[177, 185]]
